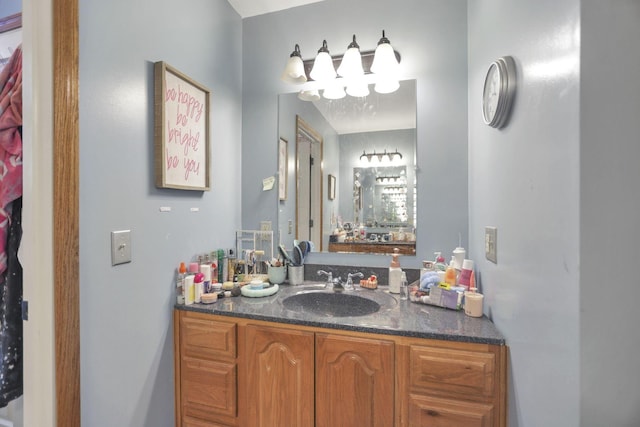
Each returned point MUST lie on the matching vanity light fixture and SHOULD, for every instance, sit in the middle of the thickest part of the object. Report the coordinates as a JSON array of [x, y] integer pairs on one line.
[[323, 69], [384, 61], [294, 70], [390, 155], [353, 66], [385, 65]]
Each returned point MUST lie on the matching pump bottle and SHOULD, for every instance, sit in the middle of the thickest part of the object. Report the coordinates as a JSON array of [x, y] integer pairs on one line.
[[395, 273]]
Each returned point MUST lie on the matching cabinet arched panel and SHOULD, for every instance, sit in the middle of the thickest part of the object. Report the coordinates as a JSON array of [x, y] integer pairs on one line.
[[279, 376], [354, 381]]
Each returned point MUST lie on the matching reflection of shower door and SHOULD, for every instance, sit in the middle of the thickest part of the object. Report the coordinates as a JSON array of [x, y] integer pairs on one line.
[[309, 184]]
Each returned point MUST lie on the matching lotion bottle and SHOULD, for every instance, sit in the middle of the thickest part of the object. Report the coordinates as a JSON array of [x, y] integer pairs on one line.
[[180, 288], [395, 273]]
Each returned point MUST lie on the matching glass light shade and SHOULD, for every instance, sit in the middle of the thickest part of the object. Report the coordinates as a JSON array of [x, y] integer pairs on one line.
[[351, 65], [358, 89], [323, 70], [309, 95], [294, 71], [334, 91], [384, 60], [386, 85]]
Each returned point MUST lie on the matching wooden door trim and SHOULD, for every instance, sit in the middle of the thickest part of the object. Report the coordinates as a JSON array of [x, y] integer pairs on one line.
[[66, 212]]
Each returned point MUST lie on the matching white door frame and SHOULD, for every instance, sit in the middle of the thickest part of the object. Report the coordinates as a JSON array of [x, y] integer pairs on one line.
[[36, 250]]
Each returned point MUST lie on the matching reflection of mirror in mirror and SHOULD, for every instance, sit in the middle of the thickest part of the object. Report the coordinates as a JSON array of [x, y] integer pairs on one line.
[[351, 127], [387, 202]]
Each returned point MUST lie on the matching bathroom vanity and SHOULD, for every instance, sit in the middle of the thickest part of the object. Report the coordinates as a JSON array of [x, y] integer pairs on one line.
[[264, 362]]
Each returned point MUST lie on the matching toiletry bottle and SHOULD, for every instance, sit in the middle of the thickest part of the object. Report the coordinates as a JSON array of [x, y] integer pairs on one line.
[[198, 283], [180, 291], [189, 289], [404, 286], [450, 275], [465, 273], [395, 273], [439, 262]]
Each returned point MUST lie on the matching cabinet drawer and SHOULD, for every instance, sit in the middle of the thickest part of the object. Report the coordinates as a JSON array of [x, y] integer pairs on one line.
[[205, 338], [208, 389], [434, 412], [455, 373]]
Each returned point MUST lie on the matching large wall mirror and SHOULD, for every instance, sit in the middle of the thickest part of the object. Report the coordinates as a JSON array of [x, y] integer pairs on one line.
[[357, 159]]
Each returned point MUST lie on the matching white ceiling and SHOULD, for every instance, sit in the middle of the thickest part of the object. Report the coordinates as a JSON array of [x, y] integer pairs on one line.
[[373, 113], [246, 8]]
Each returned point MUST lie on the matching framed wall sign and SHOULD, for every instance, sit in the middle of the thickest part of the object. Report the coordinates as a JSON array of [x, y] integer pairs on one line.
[[282, 168], [181, 128]]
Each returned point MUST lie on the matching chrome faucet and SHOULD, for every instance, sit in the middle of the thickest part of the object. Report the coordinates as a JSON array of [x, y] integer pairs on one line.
[[349, 285], [329, 276]]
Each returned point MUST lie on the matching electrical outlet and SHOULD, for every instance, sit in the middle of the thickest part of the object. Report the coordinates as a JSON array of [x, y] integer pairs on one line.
[[120, 247], [491, 244]]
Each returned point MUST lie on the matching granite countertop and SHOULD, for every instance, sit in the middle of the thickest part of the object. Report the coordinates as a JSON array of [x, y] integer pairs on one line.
[[395, 317]]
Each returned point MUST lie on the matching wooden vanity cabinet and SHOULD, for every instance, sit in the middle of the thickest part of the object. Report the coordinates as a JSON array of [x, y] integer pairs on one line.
[[205, 370], [244, 372], [453, 384], [280, 377]]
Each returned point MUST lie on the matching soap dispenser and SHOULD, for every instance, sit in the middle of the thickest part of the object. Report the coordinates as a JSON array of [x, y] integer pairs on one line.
[[395, 273]]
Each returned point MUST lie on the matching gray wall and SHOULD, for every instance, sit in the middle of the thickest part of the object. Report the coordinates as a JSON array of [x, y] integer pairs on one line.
[[126, 311], [609, 206], [524, 179], [431, 37]]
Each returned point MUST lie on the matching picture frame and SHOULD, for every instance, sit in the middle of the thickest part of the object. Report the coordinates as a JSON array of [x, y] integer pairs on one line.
[[283, 163], [181, 130], [332, 187]]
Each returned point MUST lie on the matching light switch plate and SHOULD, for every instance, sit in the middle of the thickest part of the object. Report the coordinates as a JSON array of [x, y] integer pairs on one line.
[[491, 244], [120, 247]]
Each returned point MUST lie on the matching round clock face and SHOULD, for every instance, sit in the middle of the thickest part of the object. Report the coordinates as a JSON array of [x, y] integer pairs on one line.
[[499, 90], [491, 95]]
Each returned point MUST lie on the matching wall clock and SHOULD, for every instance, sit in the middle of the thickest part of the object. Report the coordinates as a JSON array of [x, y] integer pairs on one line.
[[499, 91]]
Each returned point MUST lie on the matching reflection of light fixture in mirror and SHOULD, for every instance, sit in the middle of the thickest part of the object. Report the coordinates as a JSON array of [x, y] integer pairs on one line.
[[388, 178], [351, 65], [334, 91], [386, 85], [294, 70], [309, 95], [391, 155], [323, 69], [358, 89]]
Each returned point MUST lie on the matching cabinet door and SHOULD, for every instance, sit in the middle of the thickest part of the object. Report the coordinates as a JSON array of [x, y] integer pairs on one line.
[[354, 381], [435, 412], [280, 381]]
